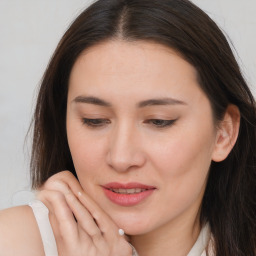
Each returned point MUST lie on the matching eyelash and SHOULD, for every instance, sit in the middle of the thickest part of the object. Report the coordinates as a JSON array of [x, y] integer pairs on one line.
[[97, 123], [161, 123]]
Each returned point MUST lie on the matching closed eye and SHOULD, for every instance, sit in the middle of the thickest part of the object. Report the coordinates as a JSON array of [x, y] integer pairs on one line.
[[161, 123], [98, 122]]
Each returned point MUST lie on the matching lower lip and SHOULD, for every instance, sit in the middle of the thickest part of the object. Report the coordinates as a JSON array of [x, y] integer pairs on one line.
[[127, 199]]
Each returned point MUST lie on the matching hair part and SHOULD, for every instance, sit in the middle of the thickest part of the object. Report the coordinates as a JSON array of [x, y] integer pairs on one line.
[[229, 204]]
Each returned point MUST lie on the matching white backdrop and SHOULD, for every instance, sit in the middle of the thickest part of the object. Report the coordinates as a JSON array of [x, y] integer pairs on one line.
[[29, 33]]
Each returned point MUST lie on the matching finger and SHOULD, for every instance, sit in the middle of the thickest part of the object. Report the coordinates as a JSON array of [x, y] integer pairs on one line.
[[107, 226], [65, 182], [85, 222], [65, 226], [55, 226], [58, 185], [64, 177]]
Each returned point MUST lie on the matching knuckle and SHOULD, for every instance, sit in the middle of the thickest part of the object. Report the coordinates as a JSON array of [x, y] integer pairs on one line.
[[62, 175], [51, 182], [56, 177], [64, 226], [71, 198], [96, 235], [56, 195], [60, 185], [49, 196], [59, 182], [67, 172]]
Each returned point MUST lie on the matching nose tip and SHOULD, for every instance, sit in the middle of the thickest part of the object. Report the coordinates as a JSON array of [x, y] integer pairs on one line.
[[124, 154], [123, 161]]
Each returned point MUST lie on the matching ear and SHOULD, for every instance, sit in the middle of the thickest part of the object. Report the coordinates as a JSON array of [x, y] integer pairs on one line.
[[227, 133]]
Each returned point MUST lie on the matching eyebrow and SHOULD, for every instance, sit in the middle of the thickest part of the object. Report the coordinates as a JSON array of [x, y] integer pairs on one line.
[[145, 103], [91, 100], [161, 101]]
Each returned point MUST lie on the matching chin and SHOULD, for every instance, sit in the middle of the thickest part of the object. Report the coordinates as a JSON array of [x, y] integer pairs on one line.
[[132, 224], [133, 230]]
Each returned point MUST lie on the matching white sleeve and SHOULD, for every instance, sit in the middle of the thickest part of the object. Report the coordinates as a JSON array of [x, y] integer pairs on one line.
[[41, 214]]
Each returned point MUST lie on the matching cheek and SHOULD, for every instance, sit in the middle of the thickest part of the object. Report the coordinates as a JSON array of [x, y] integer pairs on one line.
[[86, 156], [86, 153], [182, 169], [88, 163], [183, 160]]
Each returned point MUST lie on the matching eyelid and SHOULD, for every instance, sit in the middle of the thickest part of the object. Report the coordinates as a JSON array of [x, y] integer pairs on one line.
[[92, 122], [155, 122], [165, 122]]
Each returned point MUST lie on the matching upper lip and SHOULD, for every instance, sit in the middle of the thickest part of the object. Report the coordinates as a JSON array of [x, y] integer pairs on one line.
[[116, 185]]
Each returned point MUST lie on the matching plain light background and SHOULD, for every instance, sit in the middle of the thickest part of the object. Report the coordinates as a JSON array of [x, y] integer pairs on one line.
[[29, 33]]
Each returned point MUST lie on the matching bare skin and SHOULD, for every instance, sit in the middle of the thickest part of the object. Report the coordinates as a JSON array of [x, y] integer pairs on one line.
[[19, 233], [73, 237], [125, 139]]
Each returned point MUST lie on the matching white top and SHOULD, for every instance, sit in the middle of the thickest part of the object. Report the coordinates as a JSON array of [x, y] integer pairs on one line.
[[41, 215], [50, 248]]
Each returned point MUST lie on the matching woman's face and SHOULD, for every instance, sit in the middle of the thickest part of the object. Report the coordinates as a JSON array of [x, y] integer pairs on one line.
[[141, 134]]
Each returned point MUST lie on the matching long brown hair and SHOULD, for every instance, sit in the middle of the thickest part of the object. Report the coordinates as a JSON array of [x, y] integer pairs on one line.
[[229, 203]]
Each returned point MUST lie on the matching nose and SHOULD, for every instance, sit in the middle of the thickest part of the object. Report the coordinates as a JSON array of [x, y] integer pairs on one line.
[[125, 150]]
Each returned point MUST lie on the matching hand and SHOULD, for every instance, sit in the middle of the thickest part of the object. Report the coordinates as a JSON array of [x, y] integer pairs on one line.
[[80, 226]]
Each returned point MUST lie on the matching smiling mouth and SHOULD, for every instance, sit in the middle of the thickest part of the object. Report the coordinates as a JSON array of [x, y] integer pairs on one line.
[[127, 191], [127, 194]]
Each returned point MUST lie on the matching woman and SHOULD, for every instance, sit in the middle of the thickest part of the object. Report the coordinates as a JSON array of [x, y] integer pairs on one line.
[[144, 103]]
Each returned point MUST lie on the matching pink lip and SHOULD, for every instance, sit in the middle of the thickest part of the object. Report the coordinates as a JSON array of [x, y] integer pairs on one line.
[[127, 199]]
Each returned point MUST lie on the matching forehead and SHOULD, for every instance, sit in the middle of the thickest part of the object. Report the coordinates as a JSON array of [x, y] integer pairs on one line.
[[113, 55], [138, 66]]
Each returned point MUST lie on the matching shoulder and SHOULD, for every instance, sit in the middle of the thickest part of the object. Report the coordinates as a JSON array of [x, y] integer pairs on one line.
[[19, 233]]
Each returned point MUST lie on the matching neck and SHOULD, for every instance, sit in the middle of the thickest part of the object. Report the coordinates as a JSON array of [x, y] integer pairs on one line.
[[174, 238]]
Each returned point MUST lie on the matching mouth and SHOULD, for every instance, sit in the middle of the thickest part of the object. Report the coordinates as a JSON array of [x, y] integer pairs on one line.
[[129, 194], [128, 191]]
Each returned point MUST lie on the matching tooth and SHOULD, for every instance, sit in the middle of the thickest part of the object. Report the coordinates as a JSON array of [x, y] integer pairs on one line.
[[116, 190], [131, 191], [128, 191]]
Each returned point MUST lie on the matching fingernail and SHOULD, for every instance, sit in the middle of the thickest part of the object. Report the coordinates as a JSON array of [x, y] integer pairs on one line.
[[121, 232]]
